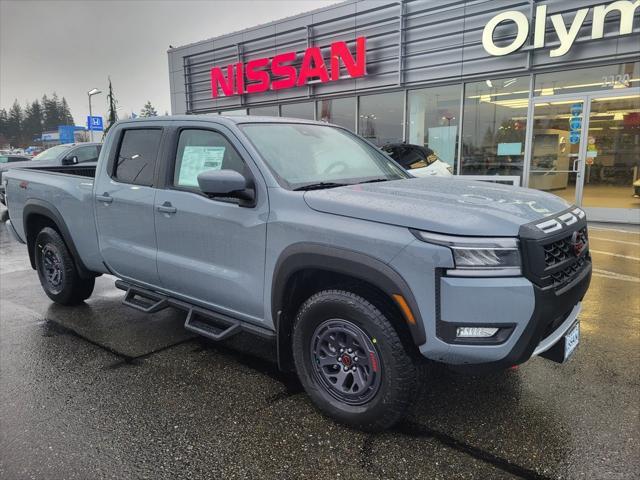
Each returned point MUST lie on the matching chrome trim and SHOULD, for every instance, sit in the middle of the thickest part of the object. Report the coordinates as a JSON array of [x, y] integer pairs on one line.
[[552, 339]]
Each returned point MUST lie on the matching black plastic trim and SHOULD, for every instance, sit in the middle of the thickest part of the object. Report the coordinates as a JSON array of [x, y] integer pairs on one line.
[[40, 207], [305, 255]]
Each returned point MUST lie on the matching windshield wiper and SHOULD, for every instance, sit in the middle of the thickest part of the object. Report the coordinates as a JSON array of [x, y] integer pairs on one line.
[[320, 185], [375, 180]]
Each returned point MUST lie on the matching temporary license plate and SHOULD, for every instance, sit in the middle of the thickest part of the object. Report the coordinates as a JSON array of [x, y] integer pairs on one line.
[[571, 340]]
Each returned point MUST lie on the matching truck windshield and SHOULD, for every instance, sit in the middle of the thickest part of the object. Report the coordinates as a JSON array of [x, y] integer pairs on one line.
[[319, 156], [51, 153]]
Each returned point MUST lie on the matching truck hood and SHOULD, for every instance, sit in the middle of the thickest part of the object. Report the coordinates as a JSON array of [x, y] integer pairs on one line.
[[444, 205]]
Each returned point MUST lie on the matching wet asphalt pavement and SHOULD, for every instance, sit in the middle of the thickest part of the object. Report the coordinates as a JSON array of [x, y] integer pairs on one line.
[[103, 391]]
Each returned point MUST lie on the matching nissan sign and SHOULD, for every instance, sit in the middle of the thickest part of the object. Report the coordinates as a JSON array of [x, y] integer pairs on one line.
[[278, 72]]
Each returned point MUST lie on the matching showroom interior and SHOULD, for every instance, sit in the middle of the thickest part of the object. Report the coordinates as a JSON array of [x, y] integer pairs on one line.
[[493, 88]]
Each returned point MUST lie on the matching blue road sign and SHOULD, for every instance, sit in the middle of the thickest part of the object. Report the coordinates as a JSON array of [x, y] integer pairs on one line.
[[66, 133], [94, 123]]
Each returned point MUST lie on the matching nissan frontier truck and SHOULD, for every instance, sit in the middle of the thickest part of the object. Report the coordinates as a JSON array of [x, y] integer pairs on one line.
[[310, 236]]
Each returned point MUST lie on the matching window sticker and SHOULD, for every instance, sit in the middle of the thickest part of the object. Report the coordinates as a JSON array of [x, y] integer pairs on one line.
[[196, 159]]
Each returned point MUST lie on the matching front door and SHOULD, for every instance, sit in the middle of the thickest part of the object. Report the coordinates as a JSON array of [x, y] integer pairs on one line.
[[556, 146], [612, 159], [211, 250], [586, 149]]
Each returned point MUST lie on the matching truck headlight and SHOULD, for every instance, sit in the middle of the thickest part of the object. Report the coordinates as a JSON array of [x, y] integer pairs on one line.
[[474, 255]]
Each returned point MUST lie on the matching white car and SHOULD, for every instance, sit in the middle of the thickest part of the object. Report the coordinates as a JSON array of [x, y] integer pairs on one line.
[[420, 161]]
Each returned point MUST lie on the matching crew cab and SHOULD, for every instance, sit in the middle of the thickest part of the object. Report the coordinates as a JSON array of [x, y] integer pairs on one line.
[[310, 236]]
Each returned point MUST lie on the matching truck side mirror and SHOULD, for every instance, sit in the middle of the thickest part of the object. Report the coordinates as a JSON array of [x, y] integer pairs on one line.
[[70, 160], [226, 184]]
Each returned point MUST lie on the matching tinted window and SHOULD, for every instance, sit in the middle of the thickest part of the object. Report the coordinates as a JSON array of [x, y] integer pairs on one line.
[[298, 110], [380, 117], [200, 150], [341, 111], [86, 154], [137, 157]]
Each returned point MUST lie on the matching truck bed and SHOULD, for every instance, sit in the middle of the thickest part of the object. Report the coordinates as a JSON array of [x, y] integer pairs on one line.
[[66, 191]]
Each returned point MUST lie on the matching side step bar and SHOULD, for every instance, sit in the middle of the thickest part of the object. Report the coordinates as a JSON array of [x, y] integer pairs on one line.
[[212, 325]]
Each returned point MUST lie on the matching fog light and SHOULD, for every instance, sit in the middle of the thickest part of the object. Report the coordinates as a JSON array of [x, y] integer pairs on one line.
[[475, 332]]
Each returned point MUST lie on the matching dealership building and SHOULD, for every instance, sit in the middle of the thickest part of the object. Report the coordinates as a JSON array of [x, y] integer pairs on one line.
[[544, 94]]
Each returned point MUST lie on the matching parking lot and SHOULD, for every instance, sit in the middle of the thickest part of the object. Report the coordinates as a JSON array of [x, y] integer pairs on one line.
[[103, 391]]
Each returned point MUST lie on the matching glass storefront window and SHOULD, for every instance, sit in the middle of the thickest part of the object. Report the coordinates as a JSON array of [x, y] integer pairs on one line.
[[298, 110], [380, 118], [233, 113], [268, 111], [432, 120], [592, 79], [339, 111], [494, 126]]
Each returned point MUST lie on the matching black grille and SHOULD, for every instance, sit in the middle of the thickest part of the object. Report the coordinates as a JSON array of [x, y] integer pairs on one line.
[[566, 274], [555, 259], [562, 250]]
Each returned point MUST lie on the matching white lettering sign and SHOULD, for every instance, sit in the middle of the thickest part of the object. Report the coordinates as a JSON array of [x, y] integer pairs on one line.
[[565, 32]]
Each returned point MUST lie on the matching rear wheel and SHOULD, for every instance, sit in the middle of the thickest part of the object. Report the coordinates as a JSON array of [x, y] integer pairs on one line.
[[57, 271], [351, 361]]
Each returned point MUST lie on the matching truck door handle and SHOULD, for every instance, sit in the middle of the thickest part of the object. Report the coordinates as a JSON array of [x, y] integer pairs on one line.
[[166, 207], [105, 197]]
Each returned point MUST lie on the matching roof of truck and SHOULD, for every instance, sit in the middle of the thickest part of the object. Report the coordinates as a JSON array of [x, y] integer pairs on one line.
[[224, 119]]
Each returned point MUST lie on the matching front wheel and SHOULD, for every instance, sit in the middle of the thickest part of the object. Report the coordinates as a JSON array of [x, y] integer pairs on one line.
[[57, 271], [351, 361]]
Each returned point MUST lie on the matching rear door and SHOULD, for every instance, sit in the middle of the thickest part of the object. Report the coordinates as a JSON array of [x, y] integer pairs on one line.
[[124, 196], [211, 250]]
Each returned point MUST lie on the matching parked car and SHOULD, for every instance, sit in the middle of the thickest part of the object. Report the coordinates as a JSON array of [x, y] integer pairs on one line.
[[310, 236], [83, 154], [10, 158], [421, 161]]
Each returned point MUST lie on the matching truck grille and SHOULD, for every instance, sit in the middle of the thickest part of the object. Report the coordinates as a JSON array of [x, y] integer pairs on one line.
[[562, 250], [554, 259]]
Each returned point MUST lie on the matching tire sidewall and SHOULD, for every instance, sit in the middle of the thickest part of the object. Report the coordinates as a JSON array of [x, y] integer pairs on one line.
[[50, 237], [336, 305]]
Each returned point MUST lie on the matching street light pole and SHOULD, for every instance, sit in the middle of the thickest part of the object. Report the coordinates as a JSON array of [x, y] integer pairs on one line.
[[90, 93]]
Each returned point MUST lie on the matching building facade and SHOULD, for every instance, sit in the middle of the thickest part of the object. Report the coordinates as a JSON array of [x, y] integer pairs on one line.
[[545, 94]]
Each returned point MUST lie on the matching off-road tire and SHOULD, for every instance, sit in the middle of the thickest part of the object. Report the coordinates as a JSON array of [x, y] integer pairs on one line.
[[398, 383], [61, 282]]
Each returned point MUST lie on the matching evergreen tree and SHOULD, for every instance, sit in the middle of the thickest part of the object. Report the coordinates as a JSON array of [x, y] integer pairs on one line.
[[14, 124], [65, 113], [148, 110], [32, 125], [112, 115], [4, 118]]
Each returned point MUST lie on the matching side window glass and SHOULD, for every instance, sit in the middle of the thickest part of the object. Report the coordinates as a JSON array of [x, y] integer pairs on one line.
[[200, 150], [137, 157], [86, 154]]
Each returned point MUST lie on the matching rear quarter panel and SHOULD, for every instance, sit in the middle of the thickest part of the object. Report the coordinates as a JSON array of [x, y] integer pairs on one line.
[[71, 196]]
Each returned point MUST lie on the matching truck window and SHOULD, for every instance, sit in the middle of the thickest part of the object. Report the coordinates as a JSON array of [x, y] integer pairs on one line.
[[137, 157], [200, 150], [87, 154]]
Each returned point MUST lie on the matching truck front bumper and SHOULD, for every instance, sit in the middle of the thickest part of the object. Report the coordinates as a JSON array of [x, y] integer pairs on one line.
[[530, 319]]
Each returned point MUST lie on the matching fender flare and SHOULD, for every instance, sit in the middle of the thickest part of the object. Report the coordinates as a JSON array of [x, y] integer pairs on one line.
[[300, 256], [40, 207]]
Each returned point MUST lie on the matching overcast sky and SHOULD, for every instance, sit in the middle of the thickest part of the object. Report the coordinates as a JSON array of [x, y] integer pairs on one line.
[[70, 47]]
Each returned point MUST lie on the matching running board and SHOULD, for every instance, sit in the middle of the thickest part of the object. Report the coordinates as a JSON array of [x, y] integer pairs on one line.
[[212, 325], [145, 301]]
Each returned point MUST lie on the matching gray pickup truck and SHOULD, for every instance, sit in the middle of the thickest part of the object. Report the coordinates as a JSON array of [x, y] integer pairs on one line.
[[308, 235]]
